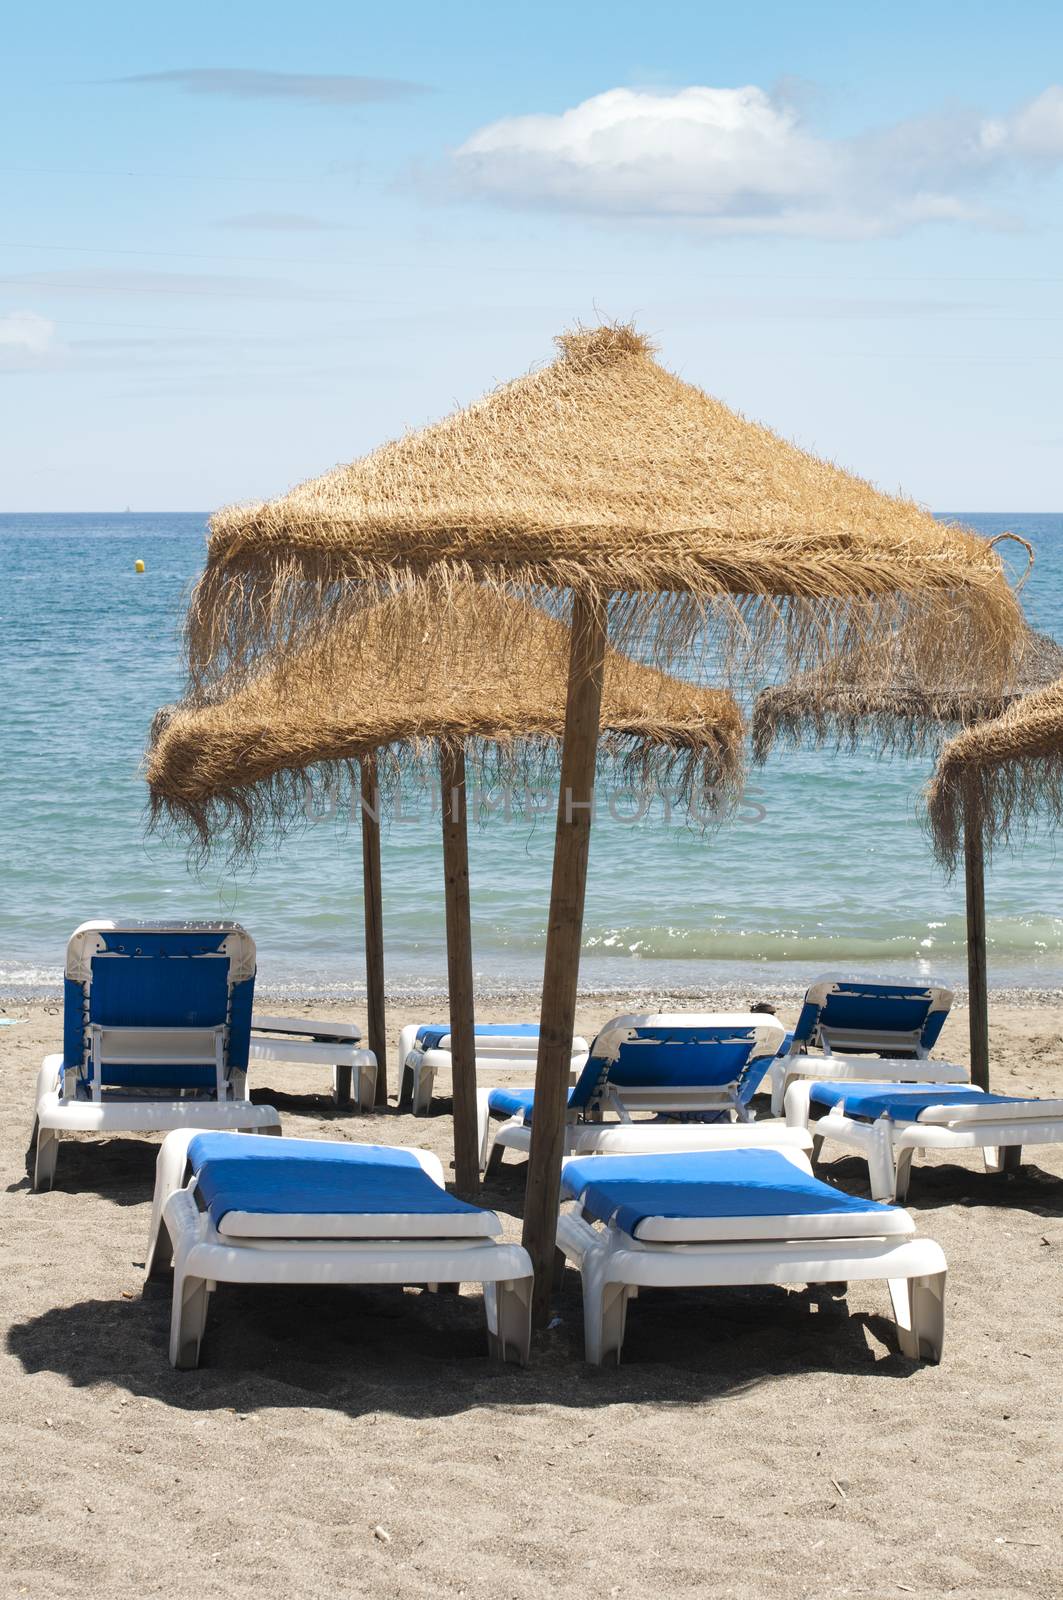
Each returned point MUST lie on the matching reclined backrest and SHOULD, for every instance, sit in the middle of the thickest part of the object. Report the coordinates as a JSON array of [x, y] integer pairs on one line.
[[714, 1050], [160, 979], [871, 1016]]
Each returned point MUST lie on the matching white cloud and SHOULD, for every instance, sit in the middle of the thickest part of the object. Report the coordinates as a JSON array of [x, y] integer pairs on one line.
[[27, 331], [743, 161], [1036, 130]]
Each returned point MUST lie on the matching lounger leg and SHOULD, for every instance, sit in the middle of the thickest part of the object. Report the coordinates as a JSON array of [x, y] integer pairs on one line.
[[1002, 1158], [903, 1172], [817, 1149], [881, 1166], [44, 1143], [483, 1125], [797, 1103], [604, 1316], [508, 1308], [160, 1252], [341, 1086], [919, 1307], [188, 1318], [423, 1085], [367, 1073], [495, 1160]]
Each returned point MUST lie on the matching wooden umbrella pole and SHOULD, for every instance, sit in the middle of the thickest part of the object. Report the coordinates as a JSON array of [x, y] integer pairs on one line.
[[563, 937], [977, 990], [374, 923], [459, 968]]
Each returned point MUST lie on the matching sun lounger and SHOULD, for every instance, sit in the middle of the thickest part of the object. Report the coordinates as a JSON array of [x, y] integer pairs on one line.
[[303, 1041], [888, 1122], [740, 1217], [424, 1051], [866, 1028], [156, 1031], [232, 1209], [694, 1068]]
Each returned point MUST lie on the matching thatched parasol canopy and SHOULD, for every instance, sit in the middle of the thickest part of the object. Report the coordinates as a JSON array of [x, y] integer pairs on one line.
[[606, 477], [876, 698], [236, 765], [1007, 771], [879, 698], [492, 678], [608, 485]]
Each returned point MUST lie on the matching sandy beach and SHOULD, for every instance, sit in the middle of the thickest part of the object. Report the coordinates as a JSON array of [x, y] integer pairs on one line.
[[359, 1443]]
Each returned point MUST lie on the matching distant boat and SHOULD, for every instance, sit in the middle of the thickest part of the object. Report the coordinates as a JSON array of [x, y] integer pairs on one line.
[[128, 511]]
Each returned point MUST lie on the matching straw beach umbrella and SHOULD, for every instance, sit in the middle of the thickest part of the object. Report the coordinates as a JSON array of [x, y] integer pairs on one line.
[[878, 699], [1003, 773], [649, 510], [237, 766]]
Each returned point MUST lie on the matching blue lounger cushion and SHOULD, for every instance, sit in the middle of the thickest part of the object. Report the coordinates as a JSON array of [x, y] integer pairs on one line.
[[302, 1188], [431, 1035], [700, 1189], [513, 1103], [903, 1101]]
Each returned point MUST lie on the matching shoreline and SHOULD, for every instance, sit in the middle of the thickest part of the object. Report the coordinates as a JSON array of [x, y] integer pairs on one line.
[[632, 997]]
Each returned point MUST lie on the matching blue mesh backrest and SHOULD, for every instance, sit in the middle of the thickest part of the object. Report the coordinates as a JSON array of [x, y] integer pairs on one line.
[[73, 1023], [160, 979], [897, 1013], [874, 1008], [932, 1028], [673, 1057], [153, 992], [806, 1023]]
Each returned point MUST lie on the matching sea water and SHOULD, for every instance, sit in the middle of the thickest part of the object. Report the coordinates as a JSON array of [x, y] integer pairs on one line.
[[826, 866]]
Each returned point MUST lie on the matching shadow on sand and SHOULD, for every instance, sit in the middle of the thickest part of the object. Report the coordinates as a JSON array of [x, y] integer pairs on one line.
[[423, 1355], [935, 1184]]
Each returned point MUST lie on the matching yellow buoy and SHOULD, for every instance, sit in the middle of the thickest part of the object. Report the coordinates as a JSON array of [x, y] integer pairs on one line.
[[138, 566]]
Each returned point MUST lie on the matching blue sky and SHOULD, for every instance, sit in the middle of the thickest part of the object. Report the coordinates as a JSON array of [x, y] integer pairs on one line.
[[241, 243]]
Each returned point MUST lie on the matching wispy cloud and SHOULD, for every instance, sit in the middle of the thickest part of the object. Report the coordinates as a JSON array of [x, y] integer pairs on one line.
[[310, 88], [279, 222], [28, 331], [28, 342], [744, 161], [133, 281]]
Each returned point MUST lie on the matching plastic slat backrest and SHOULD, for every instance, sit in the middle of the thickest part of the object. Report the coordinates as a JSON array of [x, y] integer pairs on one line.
[[874, 1007], [697, 1056], [159, 978]]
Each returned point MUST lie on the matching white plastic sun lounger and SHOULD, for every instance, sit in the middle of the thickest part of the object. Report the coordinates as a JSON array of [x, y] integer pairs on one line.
[[704, 1068], [866, 1029], [303, 1041], [424, 1051], [888, 1122], [742, 1217], [156, 1033], [233, 1209]]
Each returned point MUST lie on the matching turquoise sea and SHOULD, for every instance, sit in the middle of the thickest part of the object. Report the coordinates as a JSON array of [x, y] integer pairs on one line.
[[835, 873]]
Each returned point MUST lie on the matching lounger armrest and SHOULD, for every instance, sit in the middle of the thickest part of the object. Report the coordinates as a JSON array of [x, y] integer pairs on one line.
[[874, 1069], [306, 1027], [994, 1111]]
